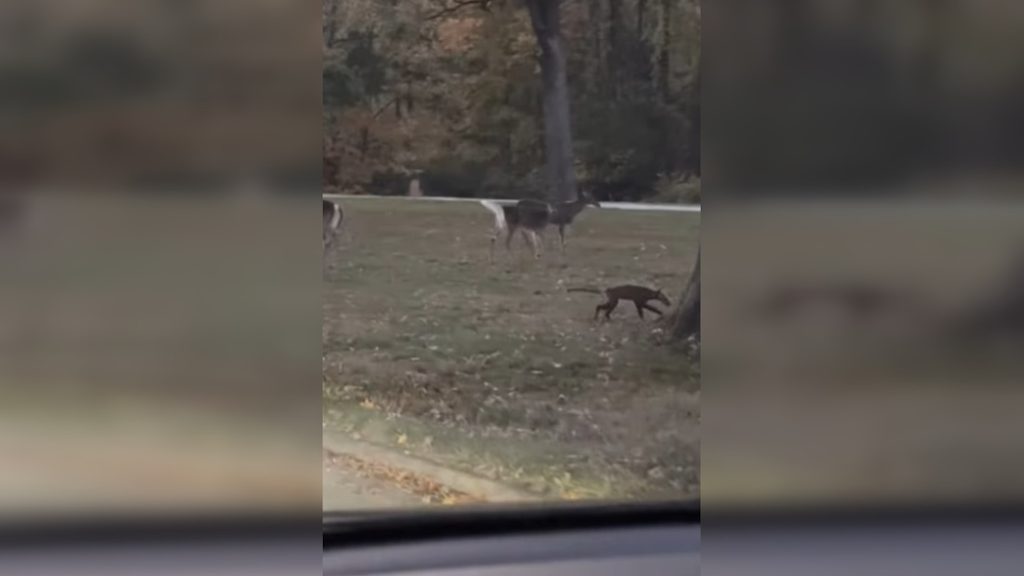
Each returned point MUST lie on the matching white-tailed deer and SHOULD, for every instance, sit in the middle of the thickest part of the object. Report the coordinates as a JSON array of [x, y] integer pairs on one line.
[[333, 215], [533, 217]]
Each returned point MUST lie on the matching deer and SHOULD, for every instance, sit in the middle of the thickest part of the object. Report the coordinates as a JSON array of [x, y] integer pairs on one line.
[[333, 215], [533, 217]]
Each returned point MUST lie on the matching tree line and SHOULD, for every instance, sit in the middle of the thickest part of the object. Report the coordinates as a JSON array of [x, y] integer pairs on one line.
[[513, 98]]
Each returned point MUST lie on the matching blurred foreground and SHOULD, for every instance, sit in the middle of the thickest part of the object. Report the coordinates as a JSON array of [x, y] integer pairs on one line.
[[158, 287], [863, 237], [152, 354]]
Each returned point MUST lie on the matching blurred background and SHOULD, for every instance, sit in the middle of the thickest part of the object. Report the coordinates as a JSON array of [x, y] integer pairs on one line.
[[160, 94], [863, 97], [864, 242], [159, 299]]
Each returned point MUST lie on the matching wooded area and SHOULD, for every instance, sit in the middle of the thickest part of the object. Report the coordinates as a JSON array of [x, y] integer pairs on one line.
[[452, 92]]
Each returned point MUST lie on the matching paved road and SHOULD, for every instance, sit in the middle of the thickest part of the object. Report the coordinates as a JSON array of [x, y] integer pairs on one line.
[[609, 205]]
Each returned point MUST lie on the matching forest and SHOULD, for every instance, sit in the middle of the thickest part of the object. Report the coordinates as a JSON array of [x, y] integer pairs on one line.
[[447, 98]]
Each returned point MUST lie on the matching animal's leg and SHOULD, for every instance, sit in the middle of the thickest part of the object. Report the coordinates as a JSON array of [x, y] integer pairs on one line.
[[535, 243], [509, 235], [526, 238], [639, 309], [597, 311], [561, 237], [609, 308], [654, 309]]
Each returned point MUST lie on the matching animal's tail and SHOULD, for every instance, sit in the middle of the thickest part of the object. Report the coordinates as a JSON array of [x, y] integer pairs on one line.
[[337, 216], [587, 290], [499, 214], [333, 215]]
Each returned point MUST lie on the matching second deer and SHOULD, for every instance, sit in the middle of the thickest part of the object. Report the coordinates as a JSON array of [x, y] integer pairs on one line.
[[532, 217]]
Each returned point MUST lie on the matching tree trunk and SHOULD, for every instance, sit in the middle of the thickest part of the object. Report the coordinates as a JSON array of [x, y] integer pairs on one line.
[[597, 79], [546, 21], [641, 11], [665, 51], [686, 321], [614, 55], [330, 28]]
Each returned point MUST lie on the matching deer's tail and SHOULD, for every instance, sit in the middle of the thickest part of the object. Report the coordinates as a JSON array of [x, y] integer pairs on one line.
[[499, 214], [336, 217], [587, 290], [333, 215]]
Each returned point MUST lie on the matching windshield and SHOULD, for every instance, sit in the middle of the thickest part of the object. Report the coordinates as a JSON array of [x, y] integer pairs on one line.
[[510, 271]]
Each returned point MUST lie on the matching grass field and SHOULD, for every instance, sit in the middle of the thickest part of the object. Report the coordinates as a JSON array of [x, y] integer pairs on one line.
[[493, 367]]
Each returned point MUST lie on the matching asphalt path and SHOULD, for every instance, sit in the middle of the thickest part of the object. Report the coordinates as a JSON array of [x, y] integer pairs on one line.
[[604, 205]]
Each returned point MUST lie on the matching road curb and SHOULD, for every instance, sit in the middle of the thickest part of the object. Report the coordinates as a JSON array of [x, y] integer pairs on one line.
[[475, 486]]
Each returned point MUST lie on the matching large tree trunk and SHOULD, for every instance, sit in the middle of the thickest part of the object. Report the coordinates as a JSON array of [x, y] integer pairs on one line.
[[665, 52], [641, 11], [330, 26], [614, 55], [545, 16], [686, 321]]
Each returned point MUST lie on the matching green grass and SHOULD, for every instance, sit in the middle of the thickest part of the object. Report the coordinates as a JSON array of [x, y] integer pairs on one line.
[[494, 367]]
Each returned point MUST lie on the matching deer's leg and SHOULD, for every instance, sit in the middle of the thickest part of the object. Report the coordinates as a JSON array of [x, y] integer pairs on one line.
[[494, 238], [532, 240]]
